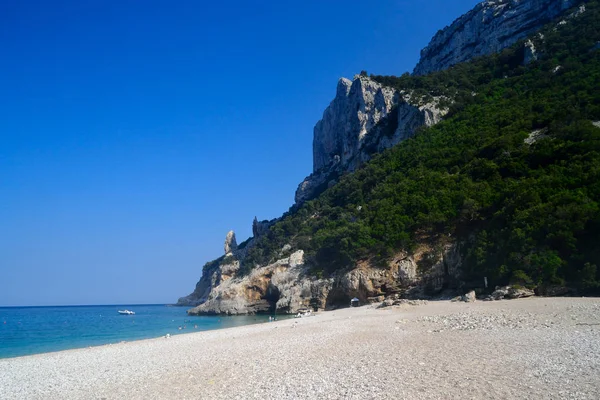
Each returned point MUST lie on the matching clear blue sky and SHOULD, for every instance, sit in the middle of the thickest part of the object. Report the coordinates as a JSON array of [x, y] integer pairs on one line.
[[135, 134]]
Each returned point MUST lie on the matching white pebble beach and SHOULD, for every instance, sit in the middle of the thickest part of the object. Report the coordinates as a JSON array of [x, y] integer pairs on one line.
[[537, 348]]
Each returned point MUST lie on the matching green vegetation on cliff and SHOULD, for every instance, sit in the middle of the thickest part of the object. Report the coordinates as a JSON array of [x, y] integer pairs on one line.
[[512, 174]]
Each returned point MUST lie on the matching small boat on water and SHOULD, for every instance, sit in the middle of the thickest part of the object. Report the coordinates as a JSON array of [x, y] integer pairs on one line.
[[126, 312]]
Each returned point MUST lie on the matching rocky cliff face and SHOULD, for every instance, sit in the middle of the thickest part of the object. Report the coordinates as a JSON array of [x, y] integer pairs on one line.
[[273, 287], [357, 108], [259, 228], [286, 286], [364, 118], [230, 243], [490, 27], [216, 272]]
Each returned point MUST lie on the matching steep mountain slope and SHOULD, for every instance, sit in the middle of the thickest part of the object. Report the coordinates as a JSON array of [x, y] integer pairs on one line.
[[506, 187], [357, 125], [490, 27]]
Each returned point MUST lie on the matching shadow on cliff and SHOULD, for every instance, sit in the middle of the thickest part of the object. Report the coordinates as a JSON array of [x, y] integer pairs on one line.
[[272, 296], [337, 298]]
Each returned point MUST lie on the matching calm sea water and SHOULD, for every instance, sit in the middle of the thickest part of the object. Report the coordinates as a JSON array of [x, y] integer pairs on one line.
[[31, 330]]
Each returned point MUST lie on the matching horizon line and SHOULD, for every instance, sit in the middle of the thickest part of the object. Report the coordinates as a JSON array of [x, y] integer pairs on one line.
[[93, 305]]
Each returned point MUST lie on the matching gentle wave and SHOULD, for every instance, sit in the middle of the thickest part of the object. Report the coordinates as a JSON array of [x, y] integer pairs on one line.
[[32, 330]]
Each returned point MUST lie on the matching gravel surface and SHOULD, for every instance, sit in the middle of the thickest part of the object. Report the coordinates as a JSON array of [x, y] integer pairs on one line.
[[536, 348]]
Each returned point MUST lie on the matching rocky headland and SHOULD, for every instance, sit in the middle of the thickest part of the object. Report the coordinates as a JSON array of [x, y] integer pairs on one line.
[[364, 119], [287, 285]]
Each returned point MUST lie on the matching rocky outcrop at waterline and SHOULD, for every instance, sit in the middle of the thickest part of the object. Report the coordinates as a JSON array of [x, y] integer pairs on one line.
[[287, 285], [264, 274]]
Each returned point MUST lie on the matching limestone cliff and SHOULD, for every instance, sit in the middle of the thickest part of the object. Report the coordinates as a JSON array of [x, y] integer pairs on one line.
[[488, 28], [218, 271], [230, 243], [366, 118], [286, 285], [363, 119], [356, 109]]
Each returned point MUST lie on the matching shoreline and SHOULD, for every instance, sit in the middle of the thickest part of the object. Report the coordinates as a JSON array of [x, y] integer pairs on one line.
[[189, 332], [528, 348], [105, 329]]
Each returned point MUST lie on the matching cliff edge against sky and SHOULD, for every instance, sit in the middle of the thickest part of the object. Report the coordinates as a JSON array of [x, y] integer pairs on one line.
[[381, 215]]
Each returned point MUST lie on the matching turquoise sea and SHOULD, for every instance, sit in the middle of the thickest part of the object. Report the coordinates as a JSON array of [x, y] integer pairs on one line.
[[31, 330]]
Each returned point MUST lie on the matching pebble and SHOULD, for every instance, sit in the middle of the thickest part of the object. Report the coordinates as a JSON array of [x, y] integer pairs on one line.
[[530, 348]]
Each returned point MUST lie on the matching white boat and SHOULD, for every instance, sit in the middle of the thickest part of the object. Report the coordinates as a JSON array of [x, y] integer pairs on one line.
[[126, 312]]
